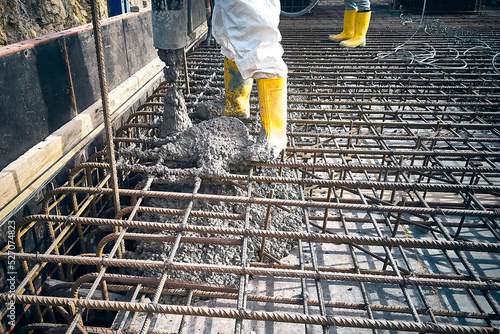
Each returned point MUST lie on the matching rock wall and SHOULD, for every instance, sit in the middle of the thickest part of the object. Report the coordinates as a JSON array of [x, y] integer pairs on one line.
[[26, 19]]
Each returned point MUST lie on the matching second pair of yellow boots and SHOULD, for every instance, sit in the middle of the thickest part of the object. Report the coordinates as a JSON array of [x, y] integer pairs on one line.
[[355, 28]]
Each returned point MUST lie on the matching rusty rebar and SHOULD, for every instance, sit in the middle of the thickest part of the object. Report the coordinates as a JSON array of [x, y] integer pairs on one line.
[[298, 203], [94, 5], [305, 236], [150, 264], [294, 301], [246, 314]]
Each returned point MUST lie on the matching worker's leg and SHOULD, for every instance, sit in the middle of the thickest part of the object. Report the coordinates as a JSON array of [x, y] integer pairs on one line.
[[362, 21], [348, 30], [247, 31], [237, 91], [273, 112], [362, 5]]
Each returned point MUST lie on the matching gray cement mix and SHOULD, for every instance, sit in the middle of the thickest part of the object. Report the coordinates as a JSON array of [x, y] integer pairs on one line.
[[209, 109], [218, 254], [173, 60], [175, 117], [209, 148], [216, 146]]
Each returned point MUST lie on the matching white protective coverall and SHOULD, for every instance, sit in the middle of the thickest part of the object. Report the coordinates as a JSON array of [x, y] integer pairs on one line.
[[247, 31]]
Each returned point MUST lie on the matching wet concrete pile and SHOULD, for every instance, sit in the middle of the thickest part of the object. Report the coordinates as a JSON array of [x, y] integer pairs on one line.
[[213, 147], [206, 148]]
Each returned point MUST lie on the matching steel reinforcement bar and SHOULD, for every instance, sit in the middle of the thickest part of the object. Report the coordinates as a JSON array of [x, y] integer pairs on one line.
[[244, 314]]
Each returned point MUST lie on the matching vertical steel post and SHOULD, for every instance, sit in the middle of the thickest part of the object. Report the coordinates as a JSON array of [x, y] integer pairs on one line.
[[94, 5]]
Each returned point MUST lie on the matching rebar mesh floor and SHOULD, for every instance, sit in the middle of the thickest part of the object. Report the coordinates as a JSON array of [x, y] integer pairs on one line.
[[392, 172]]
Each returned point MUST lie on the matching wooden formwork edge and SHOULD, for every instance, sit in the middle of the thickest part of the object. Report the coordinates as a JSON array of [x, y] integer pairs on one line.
[[22, 178]]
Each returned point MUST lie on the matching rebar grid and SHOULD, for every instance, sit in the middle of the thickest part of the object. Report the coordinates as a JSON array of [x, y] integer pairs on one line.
[[396, 167]]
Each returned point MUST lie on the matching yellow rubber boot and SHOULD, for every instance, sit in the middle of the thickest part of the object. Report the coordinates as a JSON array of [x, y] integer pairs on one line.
[[361, 24], [273, 112], [237, 91], [348, 31]]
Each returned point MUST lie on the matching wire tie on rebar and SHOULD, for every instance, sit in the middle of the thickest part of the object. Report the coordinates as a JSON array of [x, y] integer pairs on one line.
[[152, 306], [103, 258], [244, 314], [491, 285], [182, 228], [166, 264], [440, 210], [405, 280], [36, 257], [409, 281], [318, 274], [245, 270], [68, 218], [330, 319]]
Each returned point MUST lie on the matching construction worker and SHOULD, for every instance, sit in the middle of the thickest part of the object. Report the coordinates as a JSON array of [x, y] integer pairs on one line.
[[356, 21], [247, 31]]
